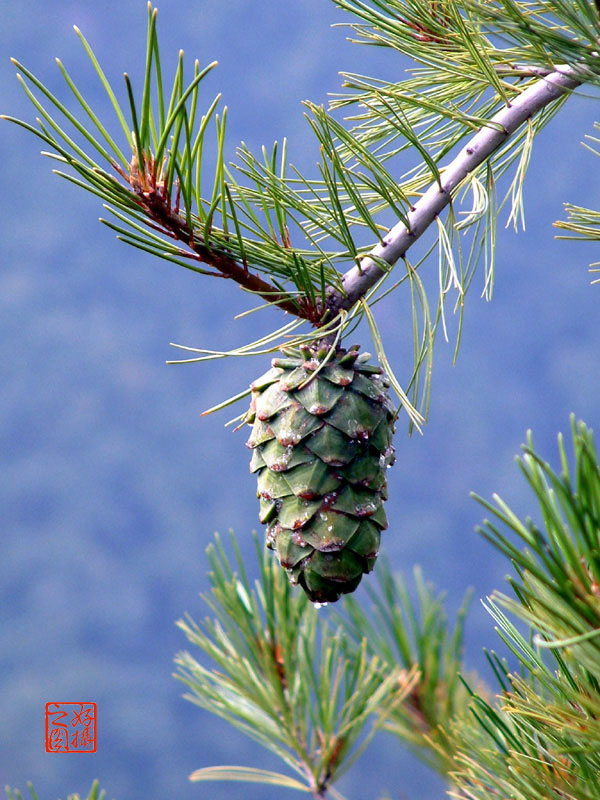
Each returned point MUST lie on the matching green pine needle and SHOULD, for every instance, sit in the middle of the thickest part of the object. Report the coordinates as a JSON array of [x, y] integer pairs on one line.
[[542, 737], [282, 676], [94, 794], [300, 233]]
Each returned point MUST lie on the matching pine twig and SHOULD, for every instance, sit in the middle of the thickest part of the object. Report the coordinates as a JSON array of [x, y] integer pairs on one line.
[[359, 279], [153, 198]]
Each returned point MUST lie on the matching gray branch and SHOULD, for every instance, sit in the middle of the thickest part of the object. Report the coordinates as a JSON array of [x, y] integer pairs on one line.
[[358, 280]]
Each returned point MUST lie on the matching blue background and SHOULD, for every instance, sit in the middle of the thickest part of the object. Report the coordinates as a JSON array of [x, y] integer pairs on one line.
[[112, 485]]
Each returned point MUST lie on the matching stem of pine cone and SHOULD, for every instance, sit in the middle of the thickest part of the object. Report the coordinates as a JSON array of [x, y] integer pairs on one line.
[[359, 279]]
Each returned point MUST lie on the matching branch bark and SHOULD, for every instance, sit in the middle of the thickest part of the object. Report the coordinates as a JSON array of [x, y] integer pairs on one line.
[[359, 279]]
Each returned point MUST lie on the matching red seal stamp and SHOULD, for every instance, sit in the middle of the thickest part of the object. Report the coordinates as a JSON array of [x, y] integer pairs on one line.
[[70, 727]]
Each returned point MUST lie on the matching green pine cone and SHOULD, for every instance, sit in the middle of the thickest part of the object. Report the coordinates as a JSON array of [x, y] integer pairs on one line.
[[322, 441]]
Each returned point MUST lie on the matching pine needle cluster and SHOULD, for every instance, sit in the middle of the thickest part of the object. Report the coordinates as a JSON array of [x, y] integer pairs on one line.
[[443, 149], [533, 734]]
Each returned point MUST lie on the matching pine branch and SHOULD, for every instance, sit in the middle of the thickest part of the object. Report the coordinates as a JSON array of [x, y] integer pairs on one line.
[[360, 279], [162, 190], [284, 678], [537, 739], [541, 738], [153, 199], [417, 634], [288, 238]]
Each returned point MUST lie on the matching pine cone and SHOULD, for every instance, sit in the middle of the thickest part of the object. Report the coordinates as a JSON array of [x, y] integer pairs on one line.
[[322, 441]]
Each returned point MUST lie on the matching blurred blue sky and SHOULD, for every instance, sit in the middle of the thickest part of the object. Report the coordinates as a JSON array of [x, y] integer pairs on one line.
[[112, 485]]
